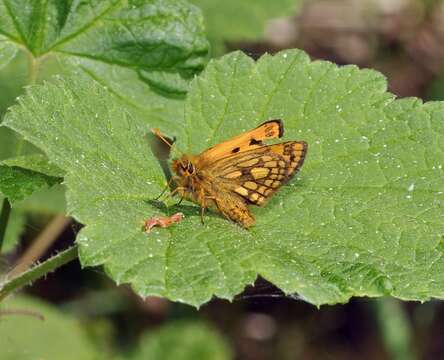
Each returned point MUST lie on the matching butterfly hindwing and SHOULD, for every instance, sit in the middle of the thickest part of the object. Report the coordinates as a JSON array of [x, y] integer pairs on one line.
[[257, 174]]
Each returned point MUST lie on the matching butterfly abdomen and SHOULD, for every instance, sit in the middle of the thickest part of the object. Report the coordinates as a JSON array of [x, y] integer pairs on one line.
[[235, 209]]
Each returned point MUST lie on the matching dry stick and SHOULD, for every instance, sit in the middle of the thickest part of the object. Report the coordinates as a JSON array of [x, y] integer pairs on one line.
[[6, 312], [41, 244]]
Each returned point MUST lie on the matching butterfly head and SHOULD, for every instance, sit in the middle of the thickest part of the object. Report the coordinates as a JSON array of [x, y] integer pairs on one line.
[[184, 167]]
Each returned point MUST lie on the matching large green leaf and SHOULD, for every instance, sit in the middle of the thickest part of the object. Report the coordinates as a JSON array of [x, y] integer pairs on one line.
[[135, 48], [146, 36], [363, 218], [23, 335], [182, 340], [143, 51], [232, 20]]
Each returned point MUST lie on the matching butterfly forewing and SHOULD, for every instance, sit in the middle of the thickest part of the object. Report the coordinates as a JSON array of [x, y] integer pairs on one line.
[[247, 141]]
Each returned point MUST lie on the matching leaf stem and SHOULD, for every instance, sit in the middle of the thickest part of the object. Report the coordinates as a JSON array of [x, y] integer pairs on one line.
[[4, 219], [38, 271], [33, 68]]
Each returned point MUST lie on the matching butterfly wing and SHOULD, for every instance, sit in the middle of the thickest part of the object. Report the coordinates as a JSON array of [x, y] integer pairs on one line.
[[243, 171], [249, 140], [257, 174]]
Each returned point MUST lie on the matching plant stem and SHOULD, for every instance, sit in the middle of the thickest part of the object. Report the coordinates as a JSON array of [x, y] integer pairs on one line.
[[38, 271], [395, 328], [33, 68], [4, 218]]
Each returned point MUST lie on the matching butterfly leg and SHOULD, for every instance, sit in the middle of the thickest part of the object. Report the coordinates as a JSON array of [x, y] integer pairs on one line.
[[175, 191], [202, 212], [164, 189], [171, 194], [202, 200], [203, 205], [180, 201]]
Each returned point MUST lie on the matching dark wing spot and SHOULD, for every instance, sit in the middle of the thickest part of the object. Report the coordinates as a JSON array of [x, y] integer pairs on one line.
[[255, 142], [235, 150], [279, 123]]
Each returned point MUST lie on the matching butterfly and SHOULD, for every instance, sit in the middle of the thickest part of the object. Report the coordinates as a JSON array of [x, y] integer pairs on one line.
[[239, 172]]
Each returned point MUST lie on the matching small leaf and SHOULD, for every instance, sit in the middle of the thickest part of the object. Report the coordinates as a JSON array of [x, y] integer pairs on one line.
[[183, 340], [34, 162], [17, 183], [363, 218], [27, 325]]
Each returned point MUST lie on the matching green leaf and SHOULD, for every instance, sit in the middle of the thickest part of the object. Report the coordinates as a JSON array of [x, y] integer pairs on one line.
[[49, 201], [34, 162], [38, 199], [25, 336], [10, 143], [183, 340], [107, 37], [7, 51], [14, 230], [231, 20], [18, 183], [159, 35], [144, 52], [363, 218]]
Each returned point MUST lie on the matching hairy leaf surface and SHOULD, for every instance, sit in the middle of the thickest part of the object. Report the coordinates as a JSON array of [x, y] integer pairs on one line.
[[364, 217]]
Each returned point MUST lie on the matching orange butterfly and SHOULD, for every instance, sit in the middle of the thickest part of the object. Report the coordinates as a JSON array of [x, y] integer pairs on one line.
[[239, 172]]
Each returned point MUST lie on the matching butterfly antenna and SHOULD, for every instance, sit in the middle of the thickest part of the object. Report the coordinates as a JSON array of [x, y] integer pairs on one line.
[[157, 132]]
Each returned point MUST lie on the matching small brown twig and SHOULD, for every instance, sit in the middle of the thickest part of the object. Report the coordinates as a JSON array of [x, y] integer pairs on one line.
[[7, 312], [40, 244]]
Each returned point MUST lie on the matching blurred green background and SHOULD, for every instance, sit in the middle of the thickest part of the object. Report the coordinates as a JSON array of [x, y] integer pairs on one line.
[[75, 313]]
